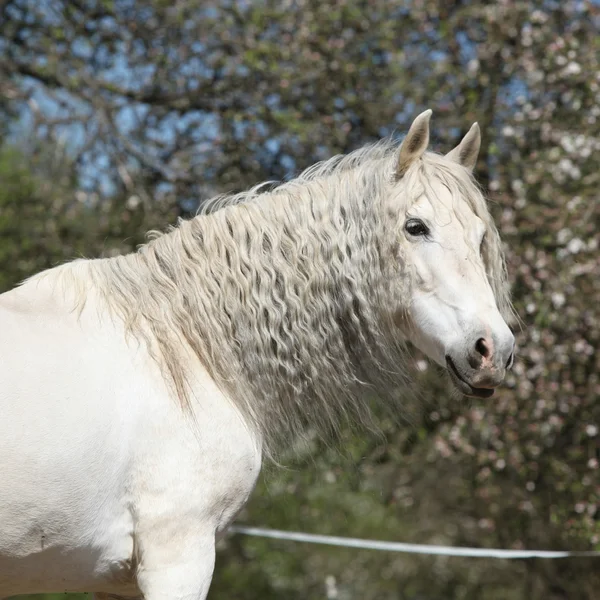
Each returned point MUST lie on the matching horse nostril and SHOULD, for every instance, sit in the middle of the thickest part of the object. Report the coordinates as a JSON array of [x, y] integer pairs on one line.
[[482, 347]]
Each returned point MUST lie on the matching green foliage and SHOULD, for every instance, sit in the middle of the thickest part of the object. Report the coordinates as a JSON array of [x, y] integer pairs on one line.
[[45, 221], [29, 240]]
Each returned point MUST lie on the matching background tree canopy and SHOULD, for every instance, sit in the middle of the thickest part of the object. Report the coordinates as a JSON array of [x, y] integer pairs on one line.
[[117, 116]]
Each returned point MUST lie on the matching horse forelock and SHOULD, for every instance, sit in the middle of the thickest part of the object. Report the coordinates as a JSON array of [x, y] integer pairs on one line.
[[279, 293]]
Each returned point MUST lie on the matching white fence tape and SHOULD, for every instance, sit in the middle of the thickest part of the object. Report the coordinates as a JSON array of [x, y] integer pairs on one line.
[[410, 548]]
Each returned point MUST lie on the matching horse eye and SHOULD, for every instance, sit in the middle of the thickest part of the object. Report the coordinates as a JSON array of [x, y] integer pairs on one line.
[[416, 227]]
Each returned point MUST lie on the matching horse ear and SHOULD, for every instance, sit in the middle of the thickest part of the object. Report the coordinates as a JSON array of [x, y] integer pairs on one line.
[[414, 144], [467, 151]]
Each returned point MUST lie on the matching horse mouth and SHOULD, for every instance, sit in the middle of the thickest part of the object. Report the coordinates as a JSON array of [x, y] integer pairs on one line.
[[463, 385]]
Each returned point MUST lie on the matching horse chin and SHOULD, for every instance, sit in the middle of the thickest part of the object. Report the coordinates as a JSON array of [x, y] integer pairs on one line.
[[464, 387]]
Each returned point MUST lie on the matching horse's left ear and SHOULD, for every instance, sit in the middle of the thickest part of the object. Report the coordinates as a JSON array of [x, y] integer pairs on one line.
[[414, 144], [467, 151]]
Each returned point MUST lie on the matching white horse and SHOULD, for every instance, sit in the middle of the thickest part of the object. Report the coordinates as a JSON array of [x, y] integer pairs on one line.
[[139, 394]]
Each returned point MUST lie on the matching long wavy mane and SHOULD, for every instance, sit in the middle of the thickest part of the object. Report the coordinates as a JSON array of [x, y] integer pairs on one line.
[[282, 294]]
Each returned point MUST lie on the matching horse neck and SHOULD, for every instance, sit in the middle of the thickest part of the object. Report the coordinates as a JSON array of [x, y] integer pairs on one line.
[[277, 296]]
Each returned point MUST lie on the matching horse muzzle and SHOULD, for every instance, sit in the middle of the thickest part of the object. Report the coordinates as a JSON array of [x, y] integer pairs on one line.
[[480, 383], [483, 367]]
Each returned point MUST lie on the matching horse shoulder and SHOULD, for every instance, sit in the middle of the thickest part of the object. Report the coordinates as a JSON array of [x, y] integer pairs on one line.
[[193, 474], [204, 463]]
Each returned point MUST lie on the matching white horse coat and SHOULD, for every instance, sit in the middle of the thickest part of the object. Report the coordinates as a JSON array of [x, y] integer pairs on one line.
[[107, 484], [99, 466]]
